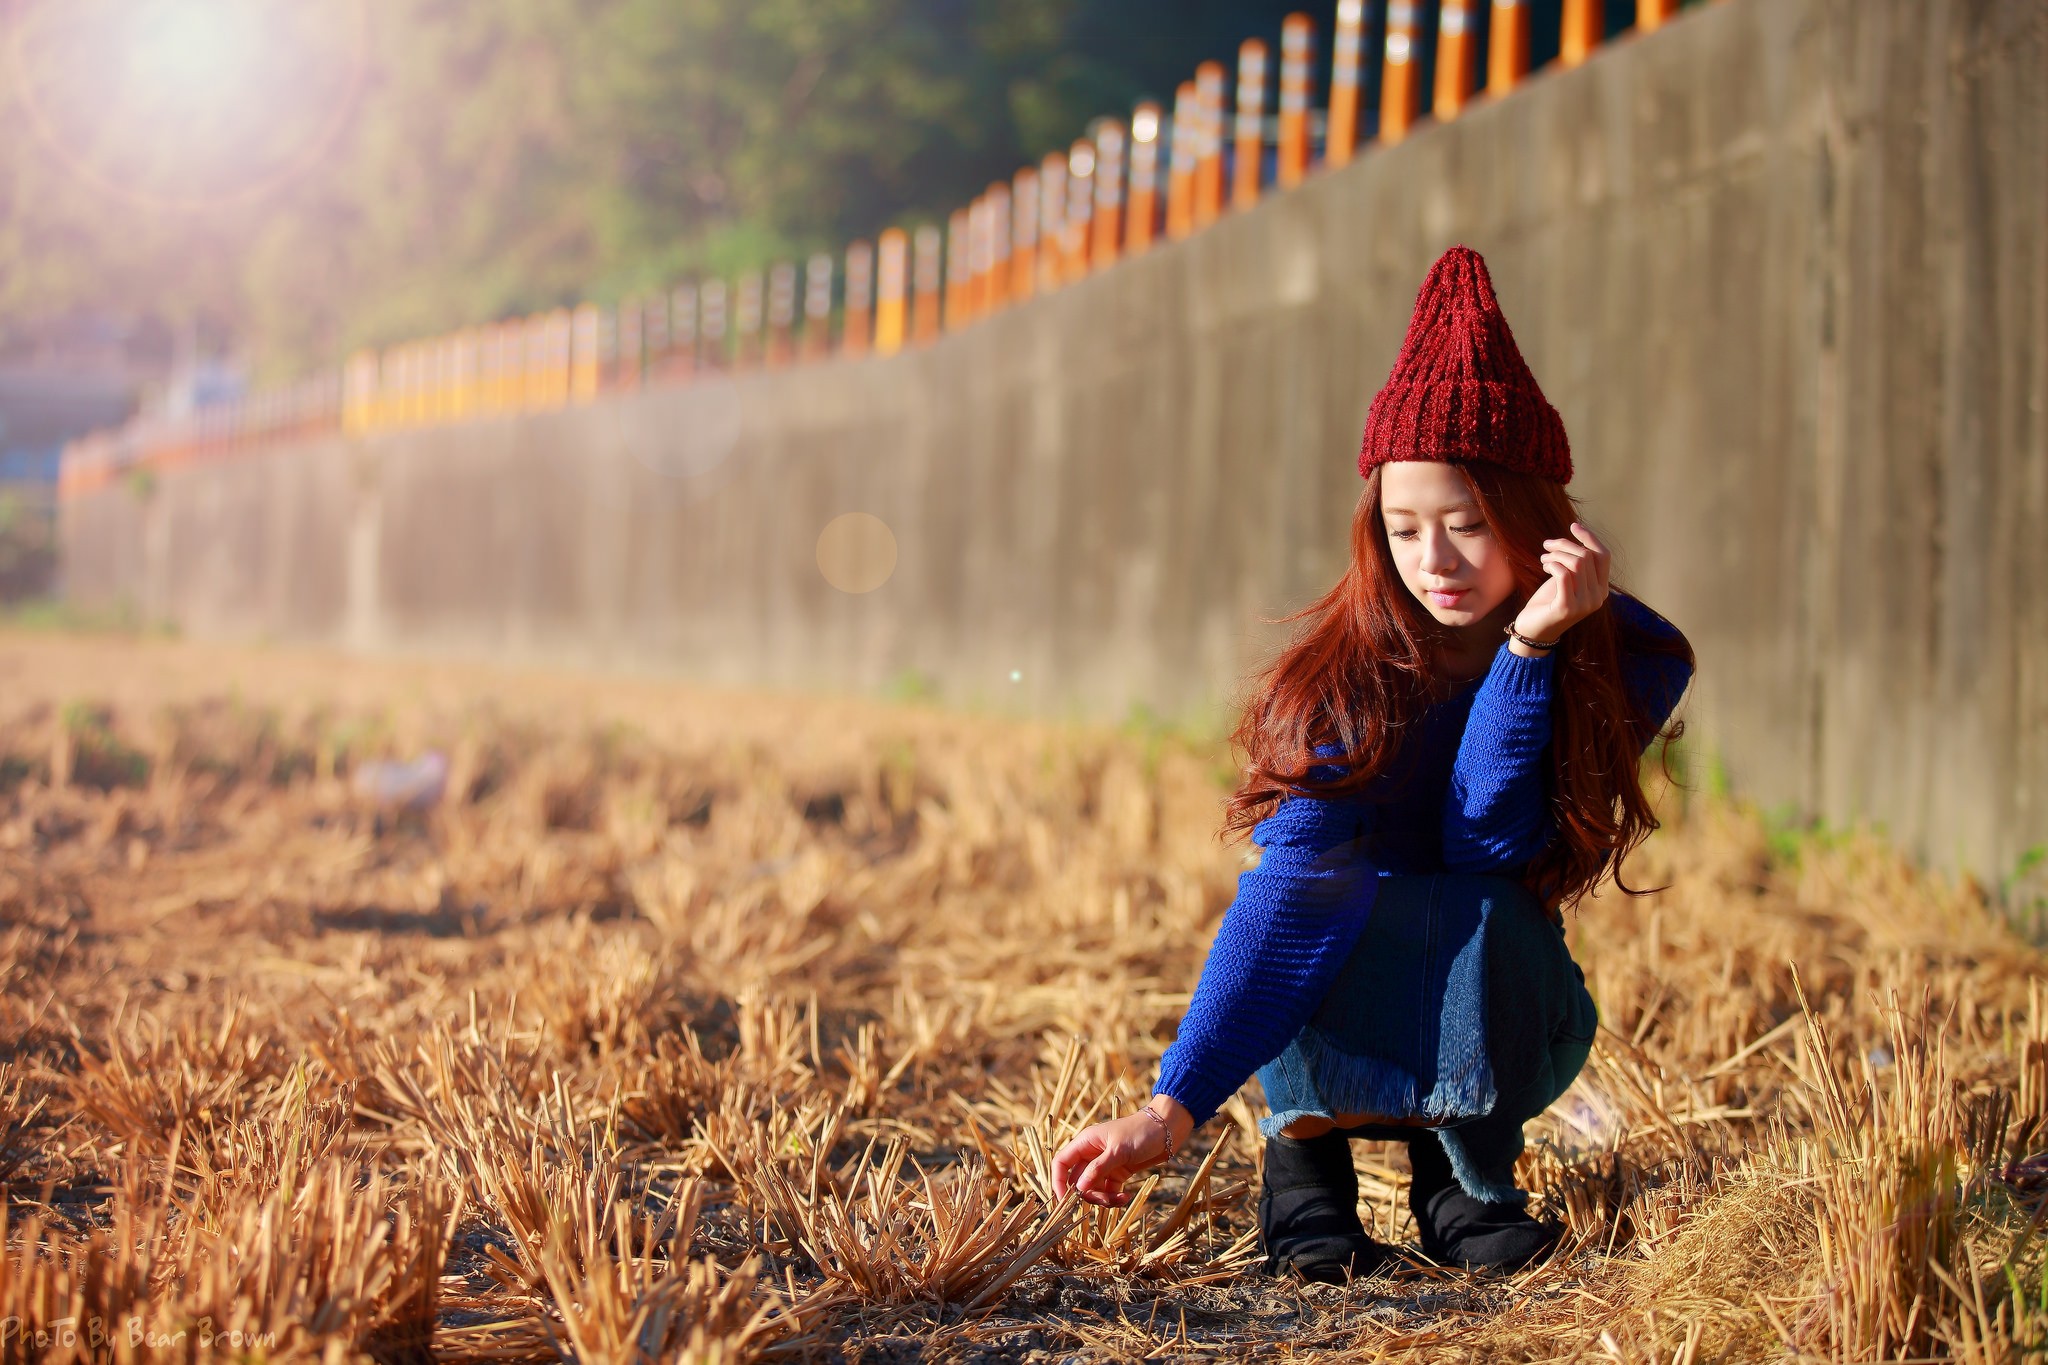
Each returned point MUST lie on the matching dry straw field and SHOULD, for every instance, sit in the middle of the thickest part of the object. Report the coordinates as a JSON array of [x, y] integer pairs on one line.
[[691, 1026]]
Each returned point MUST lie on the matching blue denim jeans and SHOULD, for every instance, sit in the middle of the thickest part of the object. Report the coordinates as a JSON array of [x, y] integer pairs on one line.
[[1459, 1005]]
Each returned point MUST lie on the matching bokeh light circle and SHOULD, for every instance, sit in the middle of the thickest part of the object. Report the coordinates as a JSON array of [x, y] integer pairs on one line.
[[687, 436], [856, 552]]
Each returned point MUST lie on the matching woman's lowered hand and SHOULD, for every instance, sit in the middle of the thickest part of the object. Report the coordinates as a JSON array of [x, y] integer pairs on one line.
[[1104, 1155], [1575, 589]]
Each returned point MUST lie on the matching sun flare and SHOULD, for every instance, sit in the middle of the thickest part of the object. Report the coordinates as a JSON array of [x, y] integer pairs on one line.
[[191, 103]]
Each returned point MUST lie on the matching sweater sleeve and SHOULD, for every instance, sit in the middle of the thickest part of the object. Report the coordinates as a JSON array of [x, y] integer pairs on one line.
[[1656, 681], [1496, 815], [1496, 812], [1296, 917]]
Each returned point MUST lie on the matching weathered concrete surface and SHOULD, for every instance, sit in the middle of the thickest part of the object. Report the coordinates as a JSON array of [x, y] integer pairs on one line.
[[1783, 266]]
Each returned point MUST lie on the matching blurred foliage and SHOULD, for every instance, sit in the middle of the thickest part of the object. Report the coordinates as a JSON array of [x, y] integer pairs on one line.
[[458, 160]]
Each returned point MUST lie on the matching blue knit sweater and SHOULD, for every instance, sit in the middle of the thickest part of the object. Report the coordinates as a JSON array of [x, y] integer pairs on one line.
[[1466, 792]]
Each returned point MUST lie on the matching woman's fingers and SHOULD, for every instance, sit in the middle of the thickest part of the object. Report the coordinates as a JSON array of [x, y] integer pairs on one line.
[[1577, 582], [1101, 1182], [1073, 1157], [1095, 1163], [1600, 556]]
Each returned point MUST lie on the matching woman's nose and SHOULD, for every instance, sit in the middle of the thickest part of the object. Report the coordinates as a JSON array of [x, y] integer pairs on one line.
[[1437, 555]]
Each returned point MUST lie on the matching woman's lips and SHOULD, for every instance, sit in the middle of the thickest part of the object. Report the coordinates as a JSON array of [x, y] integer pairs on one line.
[[1447, 599]]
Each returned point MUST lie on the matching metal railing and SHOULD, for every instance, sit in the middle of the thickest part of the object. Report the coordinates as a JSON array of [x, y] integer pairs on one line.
[[1049, 226]]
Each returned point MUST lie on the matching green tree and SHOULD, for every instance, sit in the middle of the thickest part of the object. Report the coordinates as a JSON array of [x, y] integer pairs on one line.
[[495, 156]]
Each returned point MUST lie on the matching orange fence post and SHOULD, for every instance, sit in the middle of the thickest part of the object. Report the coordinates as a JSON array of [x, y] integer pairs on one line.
[[539, 360], [398, 383], [711, 347], [490, 368], [1074, 239], [1341, 137], [891, 275], [421, 364], [926, 280], [448, 353], [468, 346], [781, 313], [503, 365], [980, 254], [607, 355], [359, 393], [1454, 59], [684, 330], [531, 375], [426, 388], [1209, 146], [433, 363], [561, 335], [747, 321], [332, 387], [959, 270], [1180, 173], [1654, 14], [996, 289], [583, 357], [1144, 206], [512, 345], [530, 354], [1585, 24], [651, 318], [632, 343], [1052, 221], [1024, 234], [654, 339], [857, 329], [1249, 154], [471, 345], [1297, 51], [1109, 195], [1398, 88], [817, 343], [1507, 46], [521, 356], [441, 359]]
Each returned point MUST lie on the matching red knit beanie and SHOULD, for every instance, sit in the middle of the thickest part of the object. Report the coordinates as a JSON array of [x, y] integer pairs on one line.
[[1460, 389]]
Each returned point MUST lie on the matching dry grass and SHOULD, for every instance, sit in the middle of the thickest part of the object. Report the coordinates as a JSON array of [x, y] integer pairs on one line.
[[730, 1029]]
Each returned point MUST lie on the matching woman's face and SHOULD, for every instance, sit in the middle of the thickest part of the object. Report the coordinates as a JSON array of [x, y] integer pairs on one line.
[[1446, 553]]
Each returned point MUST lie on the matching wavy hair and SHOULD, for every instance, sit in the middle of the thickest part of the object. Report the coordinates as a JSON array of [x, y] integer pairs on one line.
[[1360, 670]]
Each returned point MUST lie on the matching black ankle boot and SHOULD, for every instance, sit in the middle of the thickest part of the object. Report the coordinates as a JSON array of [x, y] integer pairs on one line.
[[1469, 1233], [1308, 1211]]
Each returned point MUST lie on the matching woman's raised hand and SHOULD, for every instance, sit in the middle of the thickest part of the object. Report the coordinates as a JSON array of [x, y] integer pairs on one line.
[[1104, 1155], [1575, 589]]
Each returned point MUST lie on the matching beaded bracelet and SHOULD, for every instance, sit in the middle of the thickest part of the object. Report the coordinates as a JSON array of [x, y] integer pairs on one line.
[[1528, 643], [1164, 1131]]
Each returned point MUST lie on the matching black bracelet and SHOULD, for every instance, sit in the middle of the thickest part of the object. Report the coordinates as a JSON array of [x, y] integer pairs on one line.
[[1528, 643]]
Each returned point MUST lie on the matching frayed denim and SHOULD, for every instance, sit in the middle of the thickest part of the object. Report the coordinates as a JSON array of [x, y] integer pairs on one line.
[[1461, 1005]]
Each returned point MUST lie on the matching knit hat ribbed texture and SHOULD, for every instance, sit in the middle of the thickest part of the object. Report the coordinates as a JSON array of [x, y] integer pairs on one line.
[[1460, 389]]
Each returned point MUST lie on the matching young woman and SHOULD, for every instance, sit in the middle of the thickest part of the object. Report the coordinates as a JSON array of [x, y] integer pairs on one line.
[[1446, 755]]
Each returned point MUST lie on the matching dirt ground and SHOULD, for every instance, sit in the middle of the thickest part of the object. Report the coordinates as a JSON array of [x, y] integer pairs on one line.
[[406, 1010]]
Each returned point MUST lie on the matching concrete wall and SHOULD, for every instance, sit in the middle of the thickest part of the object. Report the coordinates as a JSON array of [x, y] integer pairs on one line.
[[1783, 266]]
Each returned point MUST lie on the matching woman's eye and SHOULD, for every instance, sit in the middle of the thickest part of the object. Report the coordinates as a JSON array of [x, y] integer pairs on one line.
[[1470, 530], [1402, 535]]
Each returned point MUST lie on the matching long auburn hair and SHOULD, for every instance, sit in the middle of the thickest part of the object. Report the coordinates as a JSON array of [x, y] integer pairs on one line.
[[1362, 669]]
